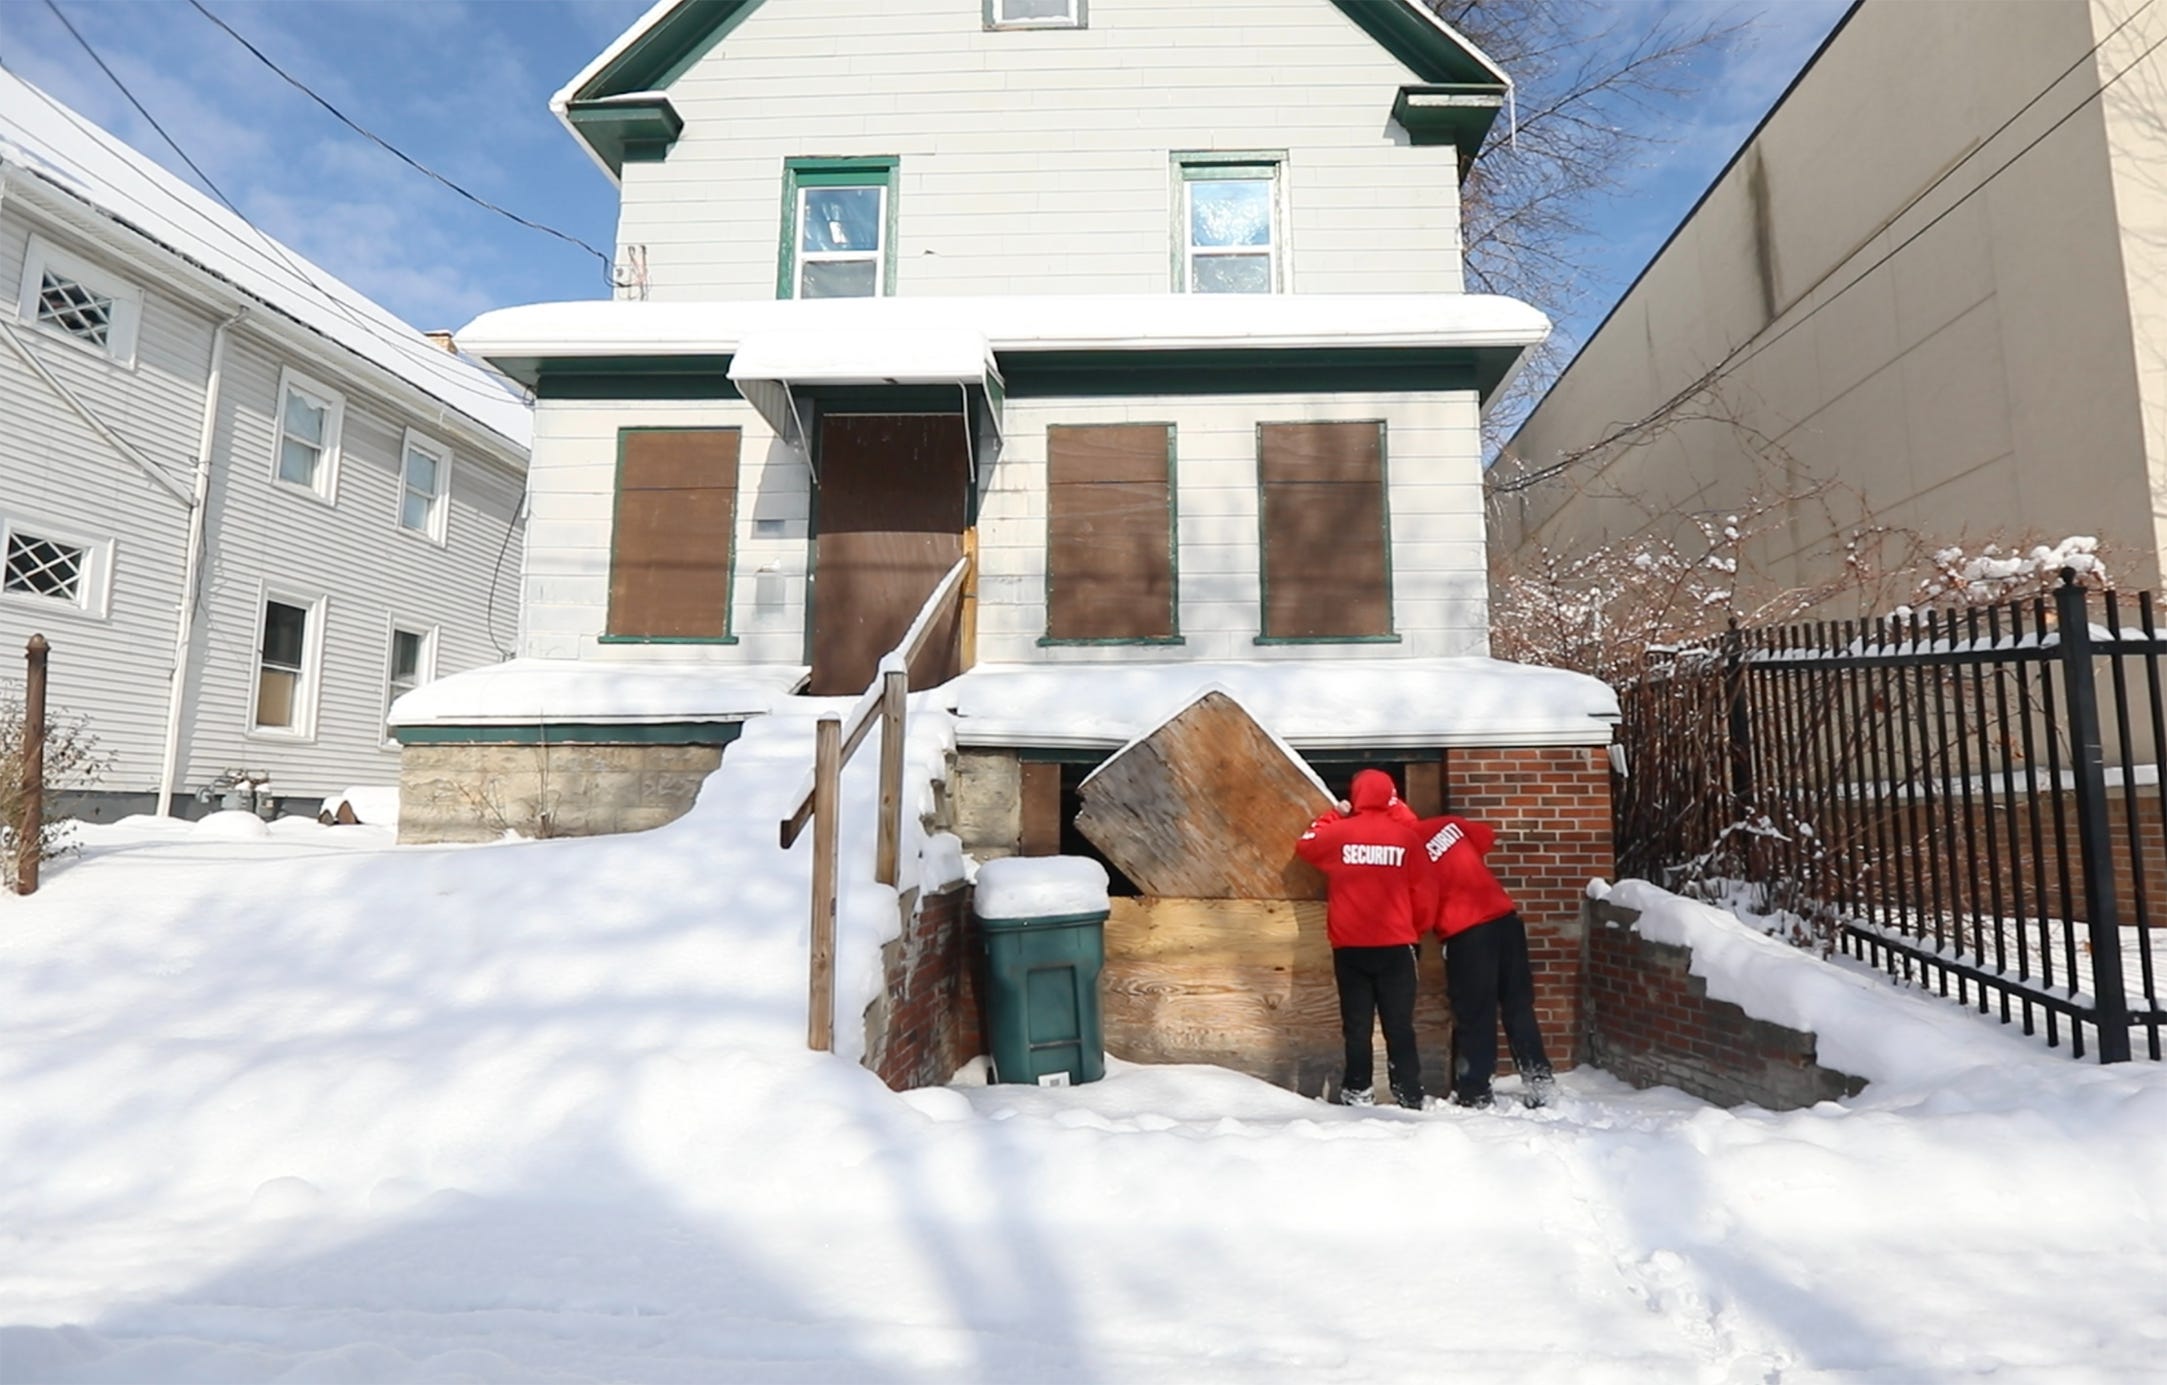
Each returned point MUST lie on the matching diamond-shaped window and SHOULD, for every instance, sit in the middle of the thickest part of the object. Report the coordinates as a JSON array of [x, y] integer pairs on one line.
[[75, 310], [42, 567]]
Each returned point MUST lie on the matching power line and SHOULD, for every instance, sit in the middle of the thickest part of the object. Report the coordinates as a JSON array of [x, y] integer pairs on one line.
[[1745, 352], [388, 147], [441, 369]]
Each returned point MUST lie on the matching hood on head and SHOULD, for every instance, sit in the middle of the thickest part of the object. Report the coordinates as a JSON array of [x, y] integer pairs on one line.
[[1372, 791]]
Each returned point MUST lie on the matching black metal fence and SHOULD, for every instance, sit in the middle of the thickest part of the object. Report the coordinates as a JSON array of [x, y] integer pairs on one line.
[[1972, 800]]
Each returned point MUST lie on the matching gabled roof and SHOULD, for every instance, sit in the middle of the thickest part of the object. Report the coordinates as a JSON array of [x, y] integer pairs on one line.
[[618, 97], [57, 148]]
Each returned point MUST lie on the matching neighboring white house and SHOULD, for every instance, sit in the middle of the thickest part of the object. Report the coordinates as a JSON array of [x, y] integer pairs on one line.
[[247, 506], [1154, 309]]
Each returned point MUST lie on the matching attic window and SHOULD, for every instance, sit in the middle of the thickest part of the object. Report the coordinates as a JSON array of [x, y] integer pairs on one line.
[[1034, 14], [78, 302]]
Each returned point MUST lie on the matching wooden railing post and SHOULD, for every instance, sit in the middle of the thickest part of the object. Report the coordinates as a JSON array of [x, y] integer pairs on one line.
[[30, 830], [827, 793], [894, 690]]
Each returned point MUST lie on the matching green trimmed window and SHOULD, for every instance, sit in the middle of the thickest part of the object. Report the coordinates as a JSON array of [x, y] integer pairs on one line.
[[1229, 235], [1034, 14], [838, 236]]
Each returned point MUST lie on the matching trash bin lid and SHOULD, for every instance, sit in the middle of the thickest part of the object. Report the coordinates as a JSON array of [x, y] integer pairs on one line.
[[1035, 889]]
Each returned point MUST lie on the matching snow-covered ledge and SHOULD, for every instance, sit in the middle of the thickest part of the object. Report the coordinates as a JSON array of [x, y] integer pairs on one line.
[[1320, 704], [525, 692]]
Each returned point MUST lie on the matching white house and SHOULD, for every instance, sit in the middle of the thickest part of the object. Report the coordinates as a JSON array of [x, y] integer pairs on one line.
[[247, 506], [1153, 310]]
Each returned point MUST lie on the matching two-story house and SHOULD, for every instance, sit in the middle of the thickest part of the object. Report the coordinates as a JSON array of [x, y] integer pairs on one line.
[[1150, 314], [247, 506]]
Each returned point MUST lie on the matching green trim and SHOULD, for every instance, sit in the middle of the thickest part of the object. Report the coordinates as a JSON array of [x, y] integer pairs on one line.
[[622, 131], [1264, 567], [863, 171], [994, 24], [672, 44], [1457, 114], [1173, 542], [1403, 29], [1228, 165], [1237, 371], [1073, 374], [729, 573], [576, 733]]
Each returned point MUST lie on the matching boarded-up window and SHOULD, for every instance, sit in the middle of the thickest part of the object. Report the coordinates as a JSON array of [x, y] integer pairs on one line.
[[1326, 574], [669, 563], [1110, 532]]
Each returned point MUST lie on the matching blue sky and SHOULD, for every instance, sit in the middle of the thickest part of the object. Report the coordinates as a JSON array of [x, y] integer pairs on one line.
[[464, 85]]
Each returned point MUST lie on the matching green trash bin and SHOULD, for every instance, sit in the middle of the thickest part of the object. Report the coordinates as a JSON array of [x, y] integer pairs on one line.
[[1042, 995]]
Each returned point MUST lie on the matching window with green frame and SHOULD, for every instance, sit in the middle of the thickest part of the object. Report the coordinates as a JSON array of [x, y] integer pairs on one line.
[[838, 237], [1227, 234]]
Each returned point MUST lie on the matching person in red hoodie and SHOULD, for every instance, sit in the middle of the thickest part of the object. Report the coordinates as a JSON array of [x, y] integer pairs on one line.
[[1486, 963], [1377, 904]]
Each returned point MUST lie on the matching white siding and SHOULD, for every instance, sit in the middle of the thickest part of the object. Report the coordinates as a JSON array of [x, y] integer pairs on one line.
[[371, 572], [1037, 161], [56, 470], [1432, 457]]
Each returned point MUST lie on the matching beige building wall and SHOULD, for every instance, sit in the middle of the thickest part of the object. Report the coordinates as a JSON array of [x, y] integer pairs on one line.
[[1982, 384]]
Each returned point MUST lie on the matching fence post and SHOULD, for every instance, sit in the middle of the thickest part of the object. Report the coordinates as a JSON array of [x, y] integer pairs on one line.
[[1741, 725], [827, 785], [30, 831], [894, 688], [2094, 837]]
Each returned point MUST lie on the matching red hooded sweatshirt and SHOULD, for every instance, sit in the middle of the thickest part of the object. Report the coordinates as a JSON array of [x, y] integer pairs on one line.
[[1377, 880], [1464, 891]]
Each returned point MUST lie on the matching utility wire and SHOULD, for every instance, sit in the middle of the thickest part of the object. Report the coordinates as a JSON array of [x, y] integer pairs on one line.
[[443, 371], [1742, 354], [388, 147]]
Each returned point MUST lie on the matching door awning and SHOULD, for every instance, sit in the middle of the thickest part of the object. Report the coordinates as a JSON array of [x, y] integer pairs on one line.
[[770, 367]]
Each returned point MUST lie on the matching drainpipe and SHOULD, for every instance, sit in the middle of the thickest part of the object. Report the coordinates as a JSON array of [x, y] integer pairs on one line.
[[184, 628]]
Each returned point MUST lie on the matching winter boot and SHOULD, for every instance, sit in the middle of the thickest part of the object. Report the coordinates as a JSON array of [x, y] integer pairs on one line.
[[1357, 1096], [1542, 1089], [1473, 1100]]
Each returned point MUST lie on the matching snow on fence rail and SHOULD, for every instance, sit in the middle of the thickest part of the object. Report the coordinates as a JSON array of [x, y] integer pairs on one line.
[[1973, 799]]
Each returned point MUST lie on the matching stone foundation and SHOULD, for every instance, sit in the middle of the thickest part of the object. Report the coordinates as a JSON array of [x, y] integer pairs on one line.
[[464, 792]]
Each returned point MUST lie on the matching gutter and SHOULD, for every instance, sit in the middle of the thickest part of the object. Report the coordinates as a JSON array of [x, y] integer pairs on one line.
[[184, 626]]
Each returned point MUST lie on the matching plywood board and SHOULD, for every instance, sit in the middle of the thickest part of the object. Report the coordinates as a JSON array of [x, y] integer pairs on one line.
[[1243, 984], [1206, 807]]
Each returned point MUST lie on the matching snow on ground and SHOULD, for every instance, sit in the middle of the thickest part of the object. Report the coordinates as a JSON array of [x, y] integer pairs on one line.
[[308, 1106]]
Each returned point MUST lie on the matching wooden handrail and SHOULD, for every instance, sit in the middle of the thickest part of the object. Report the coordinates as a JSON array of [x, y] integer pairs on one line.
[[868, 707]]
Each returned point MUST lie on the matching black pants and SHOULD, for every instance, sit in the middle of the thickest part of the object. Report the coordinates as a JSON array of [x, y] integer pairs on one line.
[[1378, 983], [1487, 971]]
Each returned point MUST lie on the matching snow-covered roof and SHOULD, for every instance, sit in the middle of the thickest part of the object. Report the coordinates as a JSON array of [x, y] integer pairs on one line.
[[594, 692], [1314, 704], [1069, 322], [52, 143]]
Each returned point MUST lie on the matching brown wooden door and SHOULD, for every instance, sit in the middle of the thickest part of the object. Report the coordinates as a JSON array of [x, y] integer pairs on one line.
[[894, 499]]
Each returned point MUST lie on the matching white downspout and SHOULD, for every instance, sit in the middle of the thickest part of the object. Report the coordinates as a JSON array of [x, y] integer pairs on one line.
[[184, 628]]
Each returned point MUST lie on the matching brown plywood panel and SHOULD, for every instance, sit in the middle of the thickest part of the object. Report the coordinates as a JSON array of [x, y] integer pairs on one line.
[[1325, 567], [1110, 561], [1244, 984], [1041, 810], [1332, 452], [1206, 807], [1424, 787], [670, 544], [1107, 452], [894, 494]]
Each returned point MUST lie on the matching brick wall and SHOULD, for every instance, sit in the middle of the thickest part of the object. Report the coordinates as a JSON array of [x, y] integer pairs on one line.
[[1650, 1021], [929, 1021], [1551, 808]]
